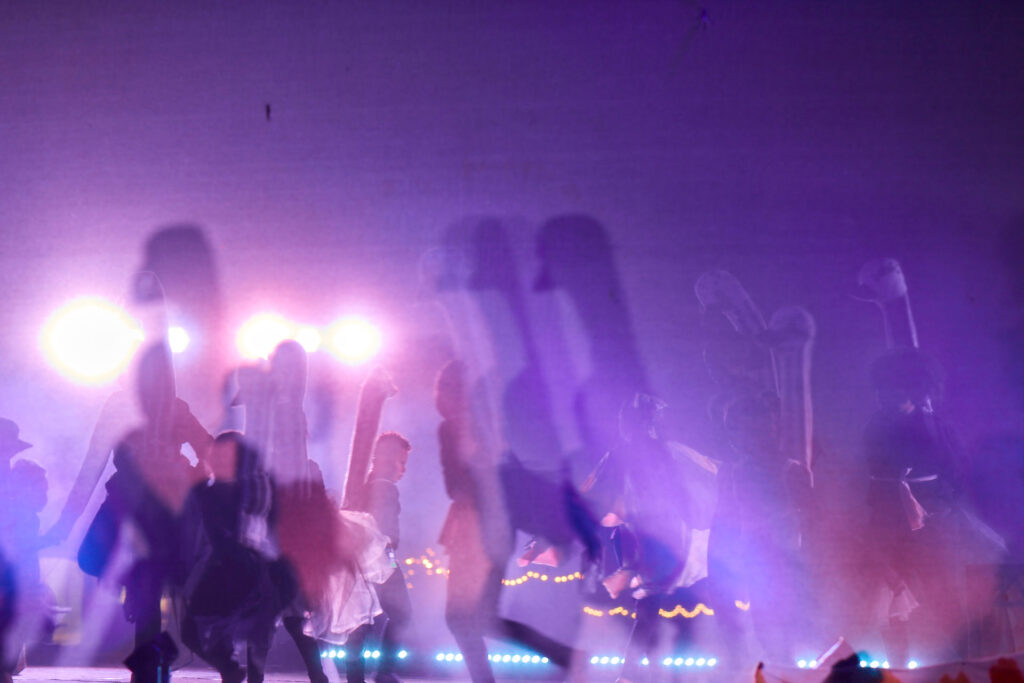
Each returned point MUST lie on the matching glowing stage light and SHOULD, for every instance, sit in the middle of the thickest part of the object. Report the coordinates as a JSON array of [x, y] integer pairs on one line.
[[402, 654], [309, 338], [178, 339], [354, 340], [260, 335], [912, 664], [90, 340]]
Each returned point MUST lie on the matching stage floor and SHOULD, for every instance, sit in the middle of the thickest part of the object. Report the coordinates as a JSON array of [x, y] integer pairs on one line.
[[95, 674]]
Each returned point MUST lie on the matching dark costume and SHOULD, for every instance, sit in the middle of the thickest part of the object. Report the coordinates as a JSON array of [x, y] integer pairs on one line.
[[662, 495], [148, 489], [234, 594], [477, 538], [915, 520]]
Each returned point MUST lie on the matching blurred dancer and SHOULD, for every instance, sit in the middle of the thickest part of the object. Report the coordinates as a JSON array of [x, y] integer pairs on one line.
[[768, 497], [477, 536], [10, 445], [234, 594], [275, 424], [148, 489], [913, 497], [8, 595], [390, 455], [20, 537], [660, 497]]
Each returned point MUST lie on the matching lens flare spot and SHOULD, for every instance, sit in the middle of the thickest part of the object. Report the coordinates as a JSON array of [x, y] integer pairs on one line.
[[260, 335], [309, 338], [90, 340], [178, 339], [354, 340]]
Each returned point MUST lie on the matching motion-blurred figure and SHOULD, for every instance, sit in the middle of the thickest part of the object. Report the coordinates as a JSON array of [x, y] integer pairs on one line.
[[183, 259], [10, 445], [148, 490], [477, 535], [769, 500], [275, 425], [915, 464], [28, 602], [659, 496], [380, 499], [234, 593]]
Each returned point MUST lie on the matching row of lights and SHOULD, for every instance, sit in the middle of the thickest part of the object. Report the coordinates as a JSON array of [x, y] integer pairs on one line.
[[92, 340], [335, 653], [864, 664], [598, 660], [689, 661], [507, 658], [875, 664]]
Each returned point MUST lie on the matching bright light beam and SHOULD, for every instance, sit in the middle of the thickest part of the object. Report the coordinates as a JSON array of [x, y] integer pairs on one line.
[[308, 338], [90, 340], [178, 339], [260, 335], [354, 340]]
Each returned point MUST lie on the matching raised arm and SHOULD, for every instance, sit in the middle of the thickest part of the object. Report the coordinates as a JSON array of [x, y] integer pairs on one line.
[[377, 388]]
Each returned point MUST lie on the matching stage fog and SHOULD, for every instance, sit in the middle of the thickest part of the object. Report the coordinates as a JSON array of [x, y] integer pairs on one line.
[[704, 322]]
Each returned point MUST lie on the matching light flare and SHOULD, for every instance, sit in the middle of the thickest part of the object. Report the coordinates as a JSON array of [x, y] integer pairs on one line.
[[90, 340]]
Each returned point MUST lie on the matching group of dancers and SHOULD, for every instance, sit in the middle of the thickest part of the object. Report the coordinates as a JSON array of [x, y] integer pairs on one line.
[[247, 537]]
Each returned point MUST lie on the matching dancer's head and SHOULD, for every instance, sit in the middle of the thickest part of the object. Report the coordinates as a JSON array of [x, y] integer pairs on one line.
[[640, 416], [390, 456]]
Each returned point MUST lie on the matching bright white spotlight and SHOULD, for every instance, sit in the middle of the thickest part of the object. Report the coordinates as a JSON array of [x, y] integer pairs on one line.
[[309, 338], [260, 335], [178, 339], [354, 341], [912, 664], [90, 340]]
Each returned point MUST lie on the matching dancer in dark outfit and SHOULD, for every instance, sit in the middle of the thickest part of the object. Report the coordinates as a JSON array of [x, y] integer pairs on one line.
[[769, 499], [149, 487], [13, 520], [477, 536], [913, 460], [275, 424], [235, 594], [390, 455], [659, 497]]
